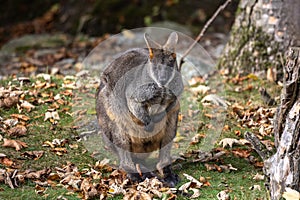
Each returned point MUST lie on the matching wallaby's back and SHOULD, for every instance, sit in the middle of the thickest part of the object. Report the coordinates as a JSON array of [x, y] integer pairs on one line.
[[123, 64]]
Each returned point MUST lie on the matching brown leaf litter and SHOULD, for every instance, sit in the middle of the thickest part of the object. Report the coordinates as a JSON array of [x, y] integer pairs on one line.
[[17, 144]]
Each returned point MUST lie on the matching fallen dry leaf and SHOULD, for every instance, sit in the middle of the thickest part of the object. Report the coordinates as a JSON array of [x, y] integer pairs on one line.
[[243, 141], [52, 115], [10, 123], [255, 187], [60, 142], [6, 161], [197, 138], [73, 146], [48, 115], [42, 183], [228, 142], [46, 77], [19, 116], [226, 128], [291, 194], [258, 177], [133, 195], [223, 195], [116, 189], [196, 193], [150, 186], [228, 168], [18, 145], [196, 80], [103, 165], [204, 181], [194, 180], [53, 177], [255, 117], [36, 174], [26, 105], [48, 144], [2, 155], [9, 102], [55, 115], [242, 153], [89, 190], [33, 154], [39, 189], [259, 164], [17, 131], [14, 177], [200, 89], [213, 99], [184, 188], [59, 151], [221, 168]]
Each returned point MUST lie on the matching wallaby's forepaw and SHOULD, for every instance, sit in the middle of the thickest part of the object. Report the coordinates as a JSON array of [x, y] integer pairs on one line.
[[171, 180], [158, 117], [149, 127]]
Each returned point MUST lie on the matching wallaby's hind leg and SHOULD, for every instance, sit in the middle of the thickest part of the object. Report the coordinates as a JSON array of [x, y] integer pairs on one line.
[[170, 178], [127, 164], [165, 160], [164, 166]]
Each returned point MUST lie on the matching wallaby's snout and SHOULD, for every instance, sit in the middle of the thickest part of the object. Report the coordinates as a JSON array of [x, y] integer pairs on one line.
[[164, 74]]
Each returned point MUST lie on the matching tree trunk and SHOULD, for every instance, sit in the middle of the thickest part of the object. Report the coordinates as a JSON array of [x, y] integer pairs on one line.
[[262, 32], [283, 168]]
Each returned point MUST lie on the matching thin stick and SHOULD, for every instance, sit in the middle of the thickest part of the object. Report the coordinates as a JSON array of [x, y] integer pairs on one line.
[[208, 23]]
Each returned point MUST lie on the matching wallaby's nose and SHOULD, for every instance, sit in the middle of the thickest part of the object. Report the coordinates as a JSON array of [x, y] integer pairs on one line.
[[163, 75]]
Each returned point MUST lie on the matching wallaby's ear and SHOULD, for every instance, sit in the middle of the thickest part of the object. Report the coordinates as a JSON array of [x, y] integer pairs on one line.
[[151, 44], [171, 42]]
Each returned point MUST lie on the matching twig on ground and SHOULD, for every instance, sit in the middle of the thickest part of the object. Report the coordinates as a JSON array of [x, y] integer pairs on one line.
[[258, 146]]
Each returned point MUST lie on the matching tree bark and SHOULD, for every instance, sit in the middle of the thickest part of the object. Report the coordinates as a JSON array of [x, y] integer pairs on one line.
[[261, 34], [264, 30], [283, 168]]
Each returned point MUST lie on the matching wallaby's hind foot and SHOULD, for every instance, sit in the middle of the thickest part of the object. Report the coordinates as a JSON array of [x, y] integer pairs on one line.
[[170, 178], [136, 177]]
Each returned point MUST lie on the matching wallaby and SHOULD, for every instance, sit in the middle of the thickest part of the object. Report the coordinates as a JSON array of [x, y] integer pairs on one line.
[[137, 107]]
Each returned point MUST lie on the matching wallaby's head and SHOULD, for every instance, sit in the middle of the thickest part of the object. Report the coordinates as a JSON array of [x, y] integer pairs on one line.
[[162, 59]]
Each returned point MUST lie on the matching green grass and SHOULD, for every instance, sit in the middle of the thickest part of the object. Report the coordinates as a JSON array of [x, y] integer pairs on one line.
[[236, 182], [26, 191]]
